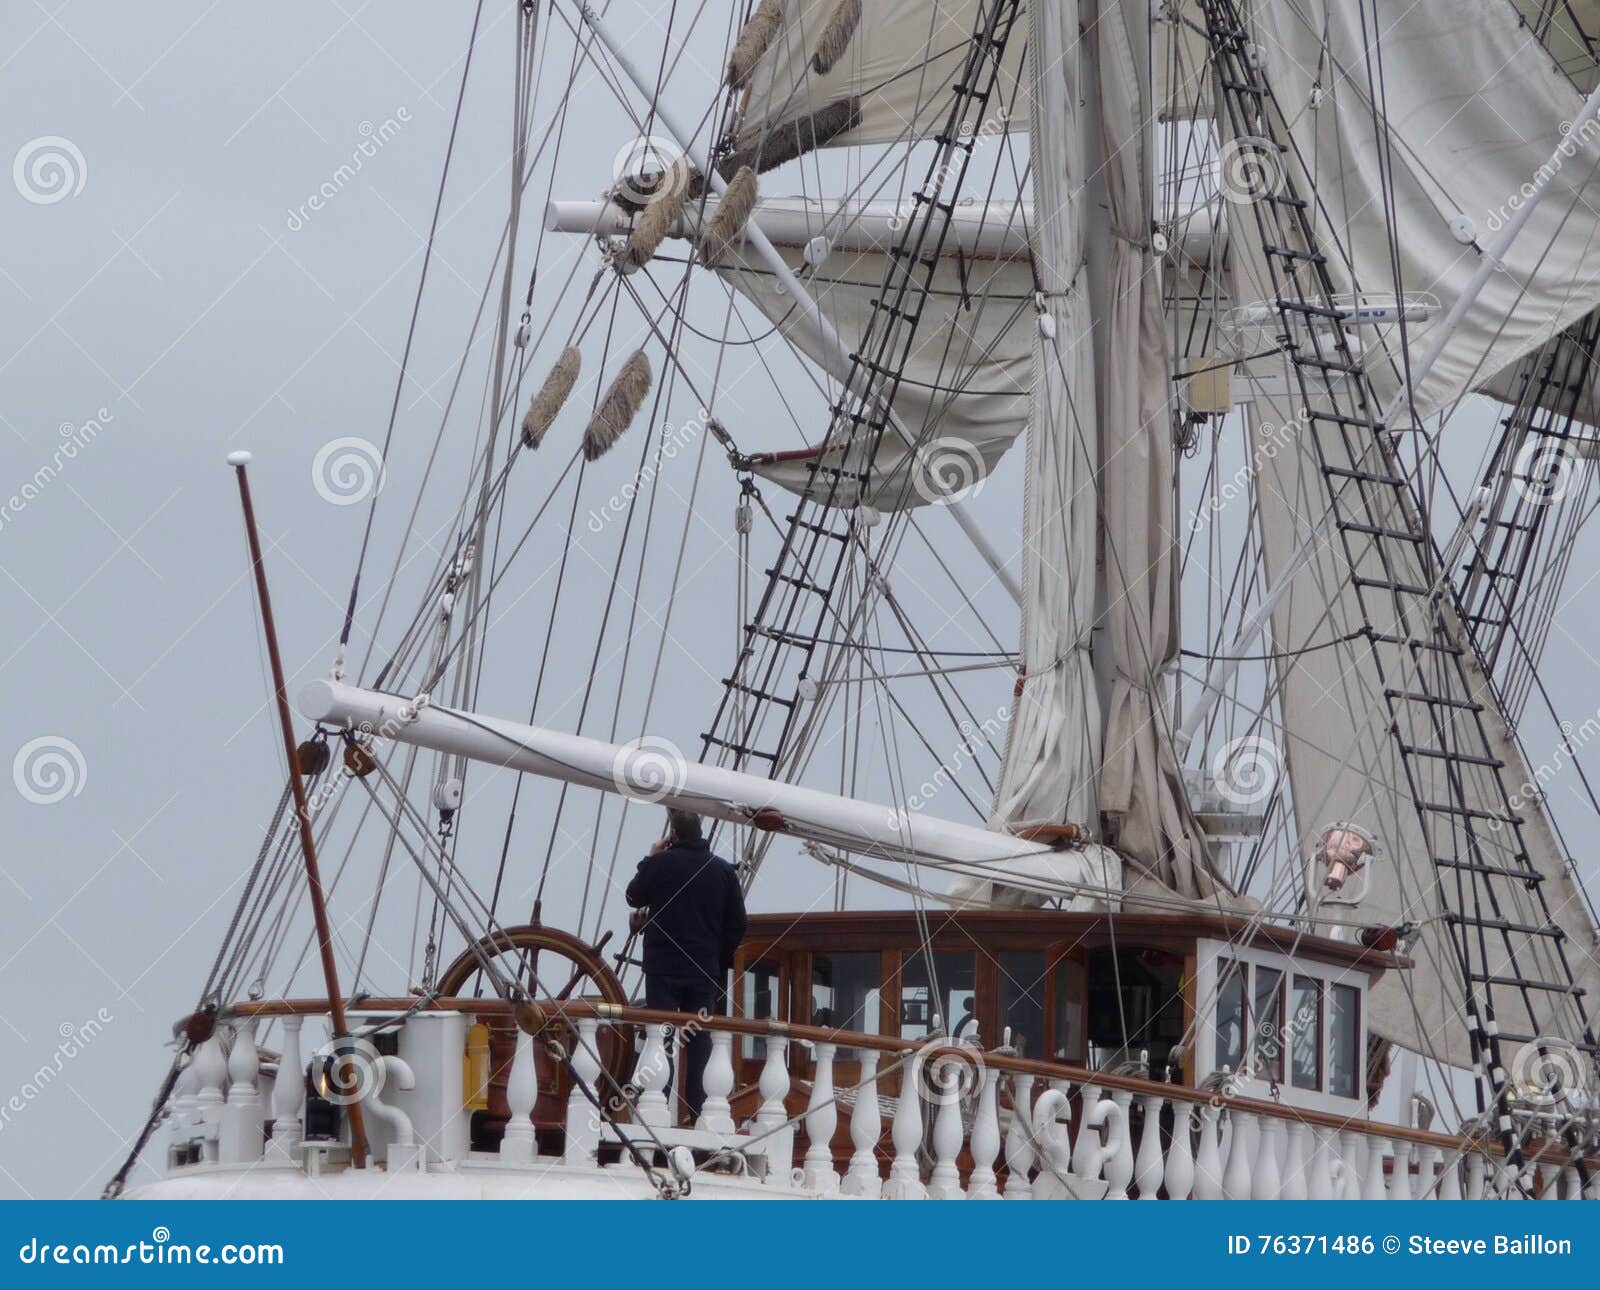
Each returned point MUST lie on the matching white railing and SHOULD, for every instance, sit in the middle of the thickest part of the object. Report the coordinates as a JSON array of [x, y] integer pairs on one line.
[[962, 1123]]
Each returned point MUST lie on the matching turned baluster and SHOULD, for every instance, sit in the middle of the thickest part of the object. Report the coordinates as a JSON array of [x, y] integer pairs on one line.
[[518, 1145], [180, 1113], [822, 1118], [1319, 1173], [1427, 1163], [1296, 1166], [1147, 1168], [772, 1119], [985, 1140], [905, 1175], [1019, 1139], [1400, 1172], [1241, 1155], [1571, 1183], [1179, 1175], [716, 1115], [866, 1125], [583, 1117], [1119, 1168], [1208, 1159], [1475, 1176], [1373, 1187], [288, 1096], [945, 1181], [244, 1115], [1266, 1177], [1450, 1178], [1086, 1150], [1549, 1182], [1354, 1148], [211, 1074], [651, 1075]]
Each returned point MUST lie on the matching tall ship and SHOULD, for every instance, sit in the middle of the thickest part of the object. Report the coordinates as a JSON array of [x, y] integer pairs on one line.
[[1191, 833]]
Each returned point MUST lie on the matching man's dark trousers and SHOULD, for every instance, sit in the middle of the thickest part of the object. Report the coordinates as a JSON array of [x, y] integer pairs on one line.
[[688, 996]]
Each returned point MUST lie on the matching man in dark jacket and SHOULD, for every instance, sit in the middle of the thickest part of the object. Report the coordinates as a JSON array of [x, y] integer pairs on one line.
[[694, 924]]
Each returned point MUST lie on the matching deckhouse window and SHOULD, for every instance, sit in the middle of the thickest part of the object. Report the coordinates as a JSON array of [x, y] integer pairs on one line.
[[1021, 998], [1267, 1015], [1230, 1014], [845, 990], [948, 991], [1305, 1033], [1344, 1039]]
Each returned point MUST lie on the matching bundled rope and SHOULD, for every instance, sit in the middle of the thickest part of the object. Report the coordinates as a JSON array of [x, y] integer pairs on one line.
[[660, 212], [617, 409], [547, 402], [733, 212], [754, 41], [835, 38], [767, 148]]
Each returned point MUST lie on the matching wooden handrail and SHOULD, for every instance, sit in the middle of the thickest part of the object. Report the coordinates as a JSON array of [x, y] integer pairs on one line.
[[573, 1009]]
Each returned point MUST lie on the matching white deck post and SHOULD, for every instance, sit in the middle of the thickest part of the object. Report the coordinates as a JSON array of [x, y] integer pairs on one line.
[[905, 1174], [243, 1117], [866, 1126], [822, 1118], [518, 1146], [985, 1139], [716, 1116], [288, 1097], [1019, 1139], [583, 1117]]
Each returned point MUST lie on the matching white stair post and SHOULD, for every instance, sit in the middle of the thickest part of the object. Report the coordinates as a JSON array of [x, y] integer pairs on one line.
[[650, 1077], [583, 1117], [1266, 1178], [288, 1097], [1475, 1172], [1373, 1187], [1296, 1165], [1208, 1159], [866, 1126], [772, 1120], [945, 1182], [1179, 1174], [985, 1139], [1241, 1156], [1450, 1178], [243, 1117], [1147, 1169], [1019, 1139], [211, 1074], [716, 1116], [822, 1118], [522, 1091], [1119, 1168], [905, 1174]]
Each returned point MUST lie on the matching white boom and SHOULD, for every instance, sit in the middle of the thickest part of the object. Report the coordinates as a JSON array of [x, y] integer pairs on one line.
[[653, 771]]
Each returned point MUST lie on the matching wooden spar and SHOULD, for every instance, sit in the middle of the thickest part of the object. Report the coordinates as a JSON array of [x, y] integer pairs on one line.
[[308, 847]]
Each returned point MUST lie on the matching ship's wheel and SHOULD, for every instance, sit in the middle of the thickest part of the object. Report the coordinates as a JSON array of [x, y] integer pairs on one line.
[[552, 966]]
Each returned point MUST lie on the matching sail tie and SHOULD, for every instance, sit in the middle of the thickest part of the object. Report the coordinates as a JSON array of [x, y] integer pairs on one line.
[[732, 214], [770, 147], [615, 412], [835, 38], [548, 400], [661, 210], [754, 41]]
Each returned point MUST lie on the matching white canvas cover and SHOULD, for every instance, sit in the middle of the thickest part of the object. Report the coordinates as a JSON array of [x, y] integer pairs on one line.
[[900, 64], [1474, 106]]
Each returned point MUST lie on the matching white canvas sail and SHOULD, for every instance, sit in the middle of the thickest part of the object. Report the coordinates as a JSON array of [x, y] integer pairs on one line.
[[897, 69], [1471, 107], [964, 389]]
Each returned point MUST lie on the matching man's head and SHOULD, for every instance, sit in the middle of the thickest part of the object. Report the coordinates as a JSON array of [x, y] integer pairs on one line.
[[682, 826]]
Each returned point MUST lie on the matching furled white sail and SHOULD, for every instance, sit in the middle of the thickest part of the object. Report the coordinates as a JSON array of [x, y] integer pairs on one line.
[[897, 69], [963, 394], [1052, 740], [1140, 784], [1469, 108]]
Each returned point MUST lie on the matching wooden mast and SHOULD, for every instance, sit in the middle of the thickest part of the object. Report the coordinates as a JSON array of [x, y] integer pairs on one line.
[[308, 847]]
